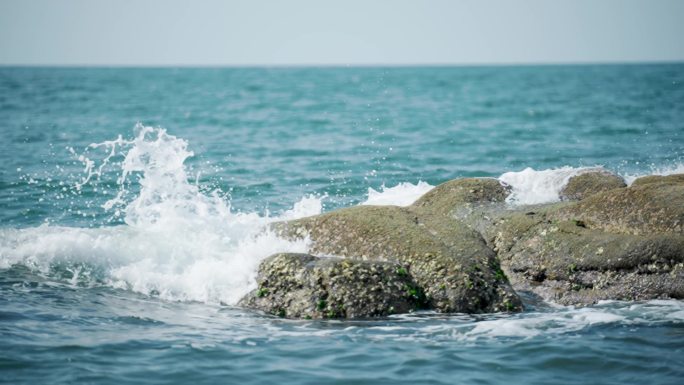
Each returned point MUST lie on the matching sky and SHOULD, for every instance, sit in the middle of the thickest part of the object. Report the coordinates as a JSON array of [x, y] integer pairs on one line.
[[346, 32]]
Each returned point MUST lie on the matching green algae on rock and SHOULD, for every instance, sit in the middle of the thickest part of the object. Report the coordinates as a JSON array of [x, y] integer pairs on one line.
[[667, 179], [305, 286], [449, 261], [459, 248]]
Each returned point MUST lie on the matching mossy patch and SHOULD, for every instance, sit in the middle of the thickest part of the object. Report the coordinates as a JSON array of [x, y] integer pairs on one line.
[[262, 292]]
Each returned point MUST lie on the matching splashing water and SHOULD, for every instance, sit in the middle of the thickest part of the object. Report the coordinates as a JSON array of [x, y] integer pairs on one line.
[[403, 194], [656, 170], [181, 243], [177, 242], [530, 186]]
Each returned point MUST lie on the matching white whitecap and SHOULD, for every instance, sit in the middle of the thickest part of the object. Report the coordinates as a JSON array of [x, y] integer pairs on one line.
[[403, 194], [177, 242], [654, 170], [531, 186]]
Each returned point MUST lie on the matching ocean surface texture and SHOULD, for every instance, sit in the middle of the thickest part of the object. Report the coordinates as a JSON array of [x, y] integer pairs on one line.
[[133, 206]]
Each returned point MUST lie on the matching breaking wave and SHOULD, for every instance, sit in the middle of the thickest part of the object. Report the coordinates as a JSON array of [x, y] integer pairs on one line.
[[180, 242]]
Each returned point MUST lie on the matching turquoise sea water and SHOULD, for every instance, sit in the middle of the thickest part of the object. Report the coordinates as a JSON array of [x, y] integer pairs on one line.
[[122, 261]]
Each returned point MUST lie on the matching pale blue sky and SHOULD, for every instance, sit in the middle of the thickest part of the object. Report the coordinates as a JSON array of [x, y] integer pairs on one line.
[[348, 32]]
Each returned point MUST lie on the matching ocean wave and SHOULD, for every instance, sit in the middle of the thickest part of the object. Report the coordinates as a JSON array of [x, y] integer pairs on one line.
[[179, 242]]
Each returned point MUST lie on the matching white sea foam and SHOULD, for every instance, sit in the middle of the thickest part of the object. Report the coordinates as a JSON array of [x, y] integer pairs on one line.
[[557, 322], [656, 170], [560, 321], [177, 242], [403, 194], [530, 186]]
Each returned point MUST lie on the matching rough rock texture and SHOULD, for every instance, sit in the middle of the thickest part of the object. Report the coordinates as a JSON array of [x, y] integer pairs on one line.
[[651, 206], [461, 193], [459, 248], [584, 185], [625, 244], [305, 286], [669, 179], [450, 262]]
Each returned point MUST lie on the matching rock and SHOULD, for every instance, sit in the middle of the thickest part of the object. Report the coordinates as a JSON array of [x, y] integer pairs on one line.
[[584, 185], [653, 205], [471, 201], [460, 193], [459, 248], [569, 264], [660, 179], [449, 261], [621, 244], [304, 286]]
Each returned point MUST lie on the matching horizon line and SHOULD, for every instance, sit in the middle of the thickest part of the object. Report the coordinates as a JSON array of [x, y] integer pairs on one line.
[[342, 65]]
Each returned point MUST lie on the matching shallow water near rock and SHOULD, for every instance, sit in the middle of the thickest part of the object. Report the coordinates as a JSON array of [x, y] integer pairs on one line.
[[124, 248], [76, 334]]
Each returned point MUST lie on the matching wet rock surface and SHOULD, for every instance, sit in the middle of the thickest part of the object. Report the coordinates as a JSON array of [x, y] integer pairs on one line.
[[459, 248], [590, 183], [621, 244], [461, 193], [305, 286], [652, 206], [451, 263]]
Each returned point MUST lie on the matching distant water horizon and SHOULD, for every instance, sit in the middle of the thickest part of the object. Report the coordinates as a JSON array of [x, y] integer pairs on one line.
[[339, 65]]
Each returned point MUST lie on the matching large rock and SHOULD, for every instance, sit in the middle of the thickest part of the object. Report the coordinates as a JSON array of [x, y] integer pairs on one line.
[[590, 183], [305, 286], [459, 248], [449, 261], [624, 244], [648, 206]]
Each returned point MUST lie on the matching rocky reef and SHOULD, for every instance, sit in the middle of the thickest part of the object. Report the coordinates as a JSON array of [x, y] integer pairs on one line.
[[461, 248], [619, 244]]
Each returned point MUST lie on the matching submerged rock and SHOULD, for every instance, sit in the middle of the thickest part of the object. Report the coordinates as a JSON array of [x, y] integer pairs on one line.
[[589, 183], [305, 286]]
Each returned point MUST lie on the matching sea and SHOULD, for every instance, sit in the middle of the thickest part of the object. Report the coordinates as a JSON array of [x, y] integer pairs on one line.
[[135, 203]]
